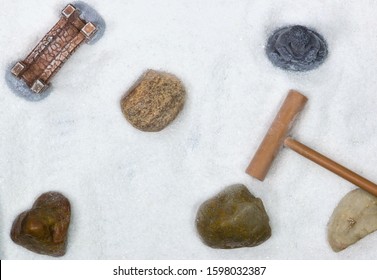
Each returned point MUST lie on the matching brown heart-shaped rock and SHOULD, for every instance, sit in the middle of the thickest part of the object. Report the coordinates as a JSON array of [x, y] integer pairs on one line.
[[43, 229]]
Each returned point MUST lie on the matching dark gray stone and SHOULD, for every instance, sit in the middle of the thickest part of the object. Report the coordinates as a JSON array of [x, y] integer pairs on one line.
[[296, 48]]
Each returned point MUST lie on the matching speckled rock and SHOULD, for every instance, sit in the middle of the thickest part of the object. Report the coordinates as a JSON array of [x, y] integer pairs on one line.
[[232, 219], [354, 218], [43, 229], [154, 101]]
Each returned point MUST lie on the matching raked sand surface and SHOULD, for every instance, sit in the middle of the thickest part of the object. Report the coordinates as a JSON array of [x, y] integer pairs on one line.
[[134, 194]]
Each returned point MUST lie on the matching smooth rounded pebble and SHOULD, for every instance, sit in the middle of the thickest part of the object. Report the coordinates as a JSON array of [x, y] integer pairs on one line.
[[354, 218], [232, 219], [296, 48], [154, 101], [43, 229]]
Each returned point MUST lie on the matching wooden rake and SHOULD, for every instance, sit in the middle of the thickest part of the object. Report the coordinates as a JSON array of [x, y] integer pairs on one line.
[[277, 136]]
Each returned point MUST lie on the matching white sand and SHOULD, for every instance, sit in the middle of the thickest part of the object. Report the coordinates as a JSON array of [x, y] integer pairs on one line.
[[134, 195]]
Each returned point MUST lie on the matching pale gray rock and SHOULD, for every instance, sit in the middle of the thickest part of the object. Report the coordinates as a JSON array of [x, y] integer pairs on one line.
[[354, 218]]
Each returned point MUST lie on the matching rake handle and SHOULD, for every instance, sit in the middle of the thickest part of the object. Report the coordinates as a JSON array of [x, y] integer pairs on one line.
[[331, 165]]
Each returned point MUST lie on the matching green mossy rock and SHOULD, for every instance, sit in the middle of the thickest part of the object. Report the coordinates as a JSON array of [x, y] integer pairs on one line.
[[232, 219], [43, 229]]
